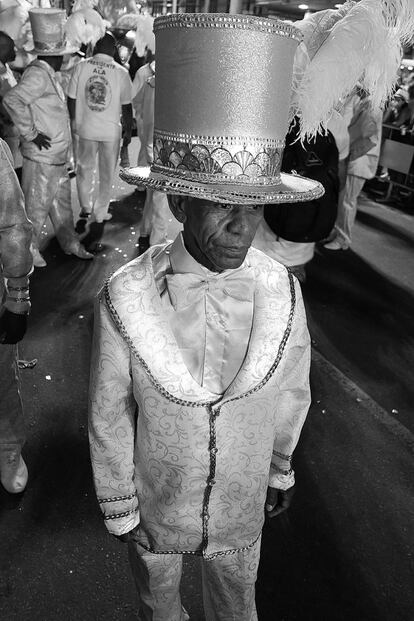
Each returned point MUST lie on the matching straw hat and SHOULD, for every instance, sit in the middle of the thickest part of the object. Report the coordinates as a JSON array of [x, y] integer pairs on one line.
[[222, 97], [48, 29]]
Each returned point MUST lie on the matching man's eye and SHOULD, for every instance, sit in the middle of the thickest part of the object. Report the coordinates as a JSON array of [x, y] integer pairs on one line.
[[226, 206]]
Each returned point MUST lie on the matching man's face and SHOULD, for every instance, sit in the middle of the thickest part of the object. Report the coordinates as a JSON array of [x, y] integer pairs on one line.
[[218, 235]]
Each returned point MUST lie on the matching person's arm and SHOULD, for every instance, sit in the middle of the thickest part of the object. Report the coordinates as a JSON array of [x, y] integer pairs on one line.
[[15, 256], [112, 421], [71, 108], [72, 94], [126, 124], [126, 102], [17, 103], [292, 407]]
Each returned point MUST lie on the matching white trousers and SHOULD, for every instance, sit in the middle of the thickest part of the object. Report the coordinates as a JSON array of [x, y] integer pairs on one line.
[[157, 220], [228, 585], [107, 153], [12, 428], [46, 190], [347, 208]]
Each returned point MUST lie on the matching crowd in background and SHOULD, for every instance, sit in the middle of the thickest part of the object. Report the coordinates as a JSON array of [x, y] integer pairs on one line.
[[72, 112]]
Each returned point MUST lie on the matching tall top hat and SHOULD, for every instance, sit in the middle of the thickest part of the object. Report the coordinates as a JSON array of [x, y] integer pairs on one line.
[[222, 96], [48, 29]]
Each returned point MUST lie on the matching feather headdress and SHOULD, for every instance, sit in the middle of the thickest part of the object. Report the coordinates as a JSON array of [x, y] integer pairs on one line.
[[360, 43], [145, 34], [84, 26]]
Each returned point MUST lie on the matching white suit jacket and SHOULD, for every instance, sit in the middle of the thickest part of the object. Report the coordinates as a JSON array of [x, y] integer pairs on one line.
[[190, 467]]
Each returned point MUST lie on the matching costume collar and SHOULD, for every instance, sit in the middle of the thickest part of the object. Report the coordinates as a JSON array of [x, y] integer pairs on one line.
[[106, 57], [182, 262], [135, 305]]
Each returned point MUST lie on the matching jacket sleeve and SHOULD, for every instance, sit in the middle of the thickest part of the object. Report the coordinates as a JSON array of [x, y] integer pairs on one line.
[[112, 423], [293, 399], [15, 238], [17, 101]]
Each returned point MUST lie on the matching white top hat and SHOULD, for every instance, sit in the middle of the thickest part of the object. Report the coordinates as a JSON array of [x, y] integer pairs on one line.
[[222, 97], [48, 29]]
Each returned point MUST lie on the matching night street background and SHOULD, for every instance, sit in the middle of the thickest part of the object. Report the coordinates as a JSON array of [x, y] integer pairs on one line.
[[343, 552]]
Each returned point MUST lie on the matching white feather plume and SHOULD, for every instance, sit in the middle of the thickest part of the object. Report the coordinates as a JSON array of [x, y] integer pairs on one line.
[[144, 36], [83, 4], [363, 45], [84, 26]]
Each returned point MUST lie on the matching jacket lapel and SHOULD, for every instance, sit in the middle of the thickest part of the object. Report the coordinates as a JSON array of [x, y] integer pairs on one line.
[[135, 304], [274, 304]]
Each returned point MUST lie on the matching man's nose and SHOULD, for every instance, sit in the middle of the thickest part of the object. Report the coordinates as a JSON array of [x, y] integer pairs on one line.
[[238, 223]]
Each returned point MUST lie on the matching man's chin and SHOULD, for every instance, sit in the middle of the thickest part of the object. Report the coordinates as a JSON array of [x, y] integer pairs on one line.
[[231, 259]]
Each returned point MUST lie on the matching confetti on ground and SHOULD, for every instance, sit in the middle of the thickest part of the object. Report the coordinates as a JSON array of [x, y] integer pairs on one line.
[[48, 377]]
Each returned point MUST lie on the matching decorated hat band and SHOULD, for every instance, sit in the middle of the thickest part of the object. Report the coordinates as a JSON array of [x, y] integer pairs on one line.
[[222, 109], [211, 159], [48, 29]]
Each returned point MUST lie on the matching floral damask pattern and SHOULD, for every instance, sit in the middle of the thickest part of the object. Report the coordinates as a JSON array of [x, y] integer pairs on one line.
[[137, 361], [245, 163]]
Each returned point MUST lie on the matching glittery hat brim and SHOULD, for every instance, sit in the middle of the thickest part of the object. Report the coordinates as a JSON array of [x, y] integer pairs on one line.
[[291, 189], [62, 51]]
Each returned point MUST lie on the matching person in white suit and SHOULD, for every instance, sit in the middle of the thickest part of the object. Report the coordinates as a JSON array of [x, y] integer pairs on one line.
[[200, 369]]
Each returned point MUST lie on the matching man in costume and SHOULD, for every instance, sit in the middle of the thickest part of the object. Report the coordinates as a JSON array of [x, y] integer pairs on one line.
[[7, 81], [199, 382], [37, 107], [100, 91], [15, 267]]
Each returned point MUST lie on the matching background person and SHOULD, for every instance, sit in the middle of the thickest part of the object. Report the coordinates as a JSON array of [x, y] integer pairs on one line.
[[365, 128], [199, 384], [15, 268], [99, 93], [37, 106], [8, 130]]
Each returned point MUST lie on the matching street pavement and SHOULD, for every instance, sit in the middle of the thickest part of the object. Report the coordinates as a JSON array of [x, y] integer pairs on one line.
[[343, 551]]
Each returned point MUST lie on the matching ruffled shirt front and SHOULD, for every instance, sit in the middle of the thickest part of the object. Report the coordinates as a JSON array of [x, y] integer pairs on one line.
[[210, 315]]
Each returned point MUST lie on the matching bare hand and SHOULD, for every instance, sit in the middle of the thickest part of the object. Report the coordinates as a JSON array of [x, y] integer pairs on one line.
[[42, 141], [278, 500]]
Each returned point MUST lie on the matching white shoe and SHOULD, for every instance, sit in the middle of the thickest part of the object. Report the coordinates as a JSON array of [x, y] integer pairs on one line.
[[78, 250], [14, 473], [38, 260], [335, 245], [102, 218]]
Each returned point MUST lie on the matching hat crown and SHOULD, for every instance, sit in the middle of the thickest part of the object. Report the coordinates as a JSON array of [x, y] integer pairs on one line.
[[222, 97], [48, 30]]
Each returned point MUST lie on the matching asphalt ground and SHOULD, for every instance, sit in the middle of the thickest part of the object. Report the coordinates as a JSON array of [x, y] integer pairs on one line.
[[344, 549]]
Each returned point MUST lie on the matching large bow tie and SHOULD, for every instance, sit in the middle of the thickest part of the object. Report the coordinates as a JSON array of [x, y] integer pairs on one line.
[[187, 289]]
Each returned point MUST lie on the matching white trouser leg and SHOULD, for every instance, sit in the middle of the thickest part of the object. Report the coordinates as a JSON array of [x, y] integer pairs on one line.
[[163, 223], [61, 213], [108, 153], [347, 208], [157, 579], [46, 191], [12, 428], [229, 585], [85, 172]]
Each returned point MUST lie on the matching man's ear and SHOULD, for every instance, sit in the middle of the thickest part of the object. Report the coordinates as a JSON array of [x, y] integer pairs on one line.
[[177, 206]]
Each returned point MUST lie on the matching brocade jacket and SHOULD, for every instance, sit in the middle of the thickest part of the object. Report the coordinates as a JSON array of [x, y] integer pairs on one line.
[[15, 236], [38, 104], [190, 467]]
